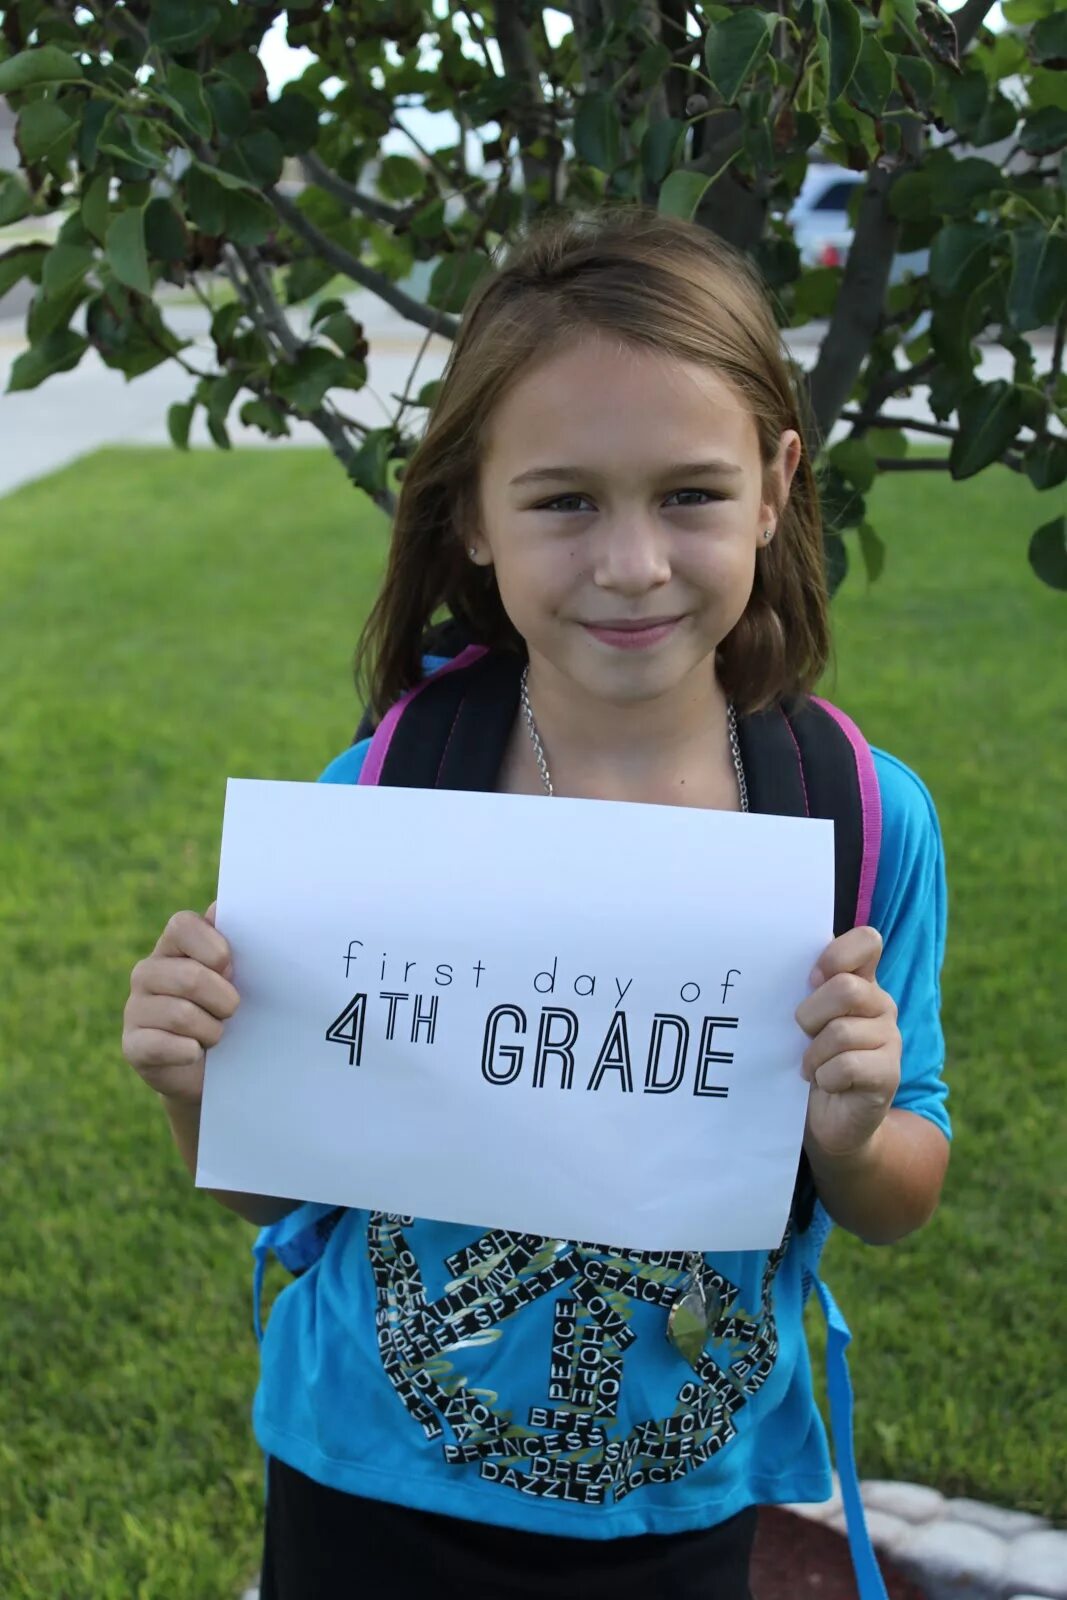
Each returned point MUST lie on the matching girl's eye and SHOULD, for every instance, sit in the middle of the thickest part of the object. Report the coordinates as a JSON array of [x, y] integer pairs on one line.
[[553, 505]]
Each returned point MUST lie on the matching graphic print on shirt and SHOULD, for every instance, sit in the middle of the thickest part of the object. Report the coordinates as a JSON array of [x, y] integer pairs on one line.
[[571, 1447]]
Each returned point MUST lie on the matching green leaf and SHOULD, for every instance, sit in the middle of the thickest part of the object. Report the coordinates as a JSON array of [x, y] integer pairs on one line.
[[453, 279], [835, 560], [888, 444], [65, 265], [1022, 11], [873, 551], [205, 199], [596, 132], [41, 125], [164, 231], [658, 147], [94, 206], [371, 466], [854, 459], [956, 254], [326, 308], [230, 107], [918, 76], [228, 180], [841, 20], [990, 416], [816, 292], [177, 26], [14, 199], [24, 261], [133, 139], [872, 81], [1038, 285], [50, 312], [295, 120], [224, 325], [220, 393], [183, 91], [1048, 41], [342, 330], [1046, 463], [1044, 131], [681, 193], [911, 197], [734, 49], [400, 178], [249, 220], [47, 64], [261, 414], [304, 382], [126, 250], [1048, 553], [179, 421], [260, 156], [58, 352], [427, 395]]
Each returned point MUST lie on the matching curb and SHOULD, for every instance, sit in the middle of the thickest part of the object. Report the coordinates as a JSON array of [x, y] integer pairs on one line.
[[955, 1549]]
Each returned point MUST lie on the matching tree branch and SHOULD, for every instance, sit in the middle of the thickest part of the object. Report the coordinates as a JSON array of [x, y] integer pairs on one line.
[[520, 64], [968, 19], [864, 420], [317, 172], [258, 298], [345, 262], [858, 309]]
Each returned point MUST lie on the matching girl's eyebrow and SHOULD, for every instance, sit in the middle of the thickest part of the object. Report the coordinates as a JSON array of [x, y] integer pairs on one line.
[[680, 468]]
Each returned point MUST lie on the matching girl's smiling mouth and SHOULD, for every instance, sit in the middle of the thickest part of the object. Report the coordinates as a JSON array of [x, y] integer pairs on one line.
[[637, 635]]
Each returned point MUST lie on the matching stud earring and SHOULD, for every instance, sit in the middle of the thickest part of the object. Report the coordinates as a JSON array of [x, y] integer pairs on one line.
[[472, 551], [767, 535]]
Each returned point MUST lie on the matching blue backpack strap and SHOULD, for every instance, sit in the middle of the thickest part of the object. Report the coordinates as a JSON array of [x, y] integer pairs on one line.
[[869, 1581], [298, 1240]]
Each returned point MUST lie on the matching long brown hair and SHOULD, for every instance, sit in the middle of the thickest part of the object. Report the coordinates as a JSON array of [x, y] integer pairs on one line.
[[656, 283]]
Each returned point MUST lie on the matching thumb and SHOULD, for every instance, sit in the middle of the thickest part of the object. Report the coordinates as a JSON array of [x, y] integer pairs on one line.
[[209, 914]]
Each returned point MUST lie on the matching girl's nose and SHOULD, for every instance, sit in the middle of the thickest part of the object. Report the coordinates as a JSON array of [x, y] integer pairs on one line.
[[631, 556]]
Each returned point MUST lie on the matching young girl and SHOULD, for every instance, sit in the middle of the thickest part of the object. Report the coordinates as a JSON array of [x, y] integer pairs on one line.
[[613, 489]]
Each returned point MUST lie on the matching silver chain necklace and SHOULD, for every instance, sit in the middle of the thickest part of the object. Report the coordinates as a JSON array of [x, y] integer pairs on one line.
[[542, 763], [689, 1318]]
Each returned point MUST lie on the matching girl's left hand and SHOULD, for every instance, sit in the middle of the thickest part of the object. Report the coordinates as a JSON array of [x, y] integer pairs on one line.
[[853, 1060]]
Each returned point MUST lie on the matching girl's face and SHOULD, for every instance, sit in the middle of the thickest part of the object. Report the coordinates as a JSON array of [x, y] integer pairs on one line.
[[622, 502]]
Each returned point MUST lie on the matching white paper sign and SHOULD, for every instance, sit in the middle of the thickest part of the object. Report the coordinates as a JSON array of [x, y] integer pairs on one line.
[[565, 1017]]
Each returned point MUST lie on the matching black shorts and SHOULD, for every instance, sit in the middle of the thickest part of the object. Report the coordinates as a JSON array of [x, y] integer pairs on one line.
[[325, 1544]]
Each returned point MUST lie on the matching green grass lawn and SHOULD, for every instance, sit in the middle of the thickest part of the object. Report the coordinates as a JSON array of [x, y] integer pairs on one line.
[[168, 620]]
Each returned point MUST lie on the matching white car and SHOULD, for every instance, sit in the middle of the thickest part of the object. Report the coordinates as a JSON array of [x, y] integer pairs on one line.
[[820, 221]]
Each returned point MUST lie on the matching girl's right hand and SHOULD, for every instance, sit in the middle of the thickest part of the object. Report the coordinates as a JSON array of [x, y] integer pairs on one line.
[[180, 998]]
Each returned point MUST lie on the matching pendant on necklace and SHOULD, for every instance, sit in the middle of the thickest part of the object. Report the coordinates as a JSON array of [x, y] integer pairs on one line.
[[688, 1321]]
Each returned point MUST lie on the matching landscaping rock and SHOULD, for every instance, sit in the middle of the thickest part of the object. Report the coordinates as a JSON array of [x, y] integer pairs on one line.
[[994, 1519], [954, 1561], [911, 1501], [1038, 1562]]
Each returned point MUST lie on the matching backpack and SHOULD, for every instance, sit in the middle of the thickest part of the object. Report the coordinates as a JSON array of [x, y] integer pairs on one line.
[[801, 757]]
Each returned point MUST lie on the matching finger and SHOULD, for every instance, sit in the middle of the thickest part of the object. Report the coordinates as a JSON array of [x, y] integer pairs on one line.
[[186, 934], [857, 951], [209, 914], [164, 1013], [845, 995], [188, 980], [861, 1072], [845, 1034], [156, 1047]]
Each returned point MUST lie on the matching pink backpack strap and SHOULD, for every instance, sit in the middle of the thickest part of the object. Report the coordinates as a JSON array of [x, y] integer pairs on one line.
[[870, 803], [383, 736]]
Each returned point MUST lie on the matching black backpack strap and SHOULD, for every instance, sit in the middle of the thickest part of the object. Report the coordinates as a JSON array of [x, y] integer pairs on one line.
[[803, 758], [453, 731], [448, 638]]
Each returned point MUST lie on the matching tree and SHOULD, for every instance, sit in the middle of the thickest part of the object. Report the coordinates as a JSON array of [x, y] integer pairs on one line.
[[148, 125]]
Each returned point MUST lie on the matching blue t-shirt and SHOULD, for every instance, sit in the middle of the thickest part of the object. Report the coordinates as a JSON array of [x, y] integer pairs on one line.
[[528, 1383]]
